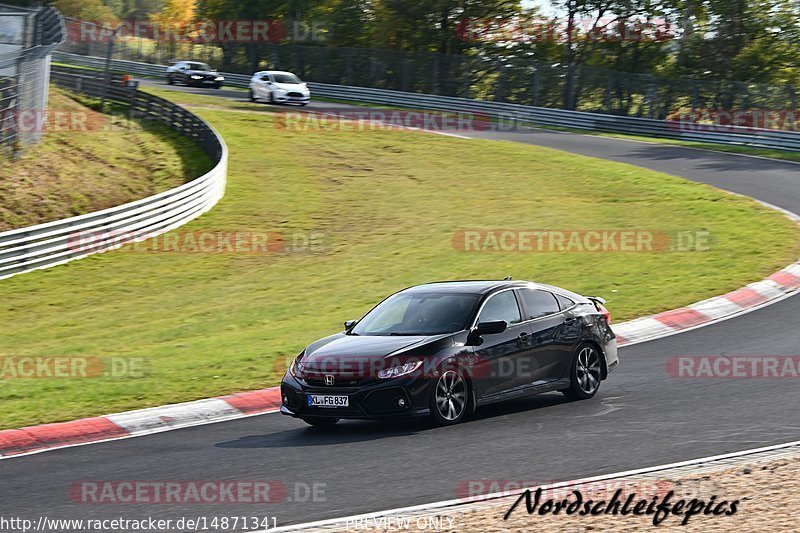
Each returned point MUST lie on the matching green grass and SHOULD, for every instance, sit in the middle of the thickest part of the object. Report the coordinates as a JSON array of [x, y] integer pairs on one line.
[[101, 162], [388, 204]]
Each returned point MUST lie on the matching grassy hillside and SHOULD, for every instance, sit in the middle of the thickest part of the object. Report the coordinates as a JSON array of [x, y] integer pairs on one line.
[[89, 161]]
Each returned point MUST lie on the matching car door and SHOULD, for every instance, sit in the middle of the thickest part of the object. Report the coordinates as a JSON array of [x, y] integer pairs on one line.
[[183, 69], [503, 360], [265, 84], [549, 325]]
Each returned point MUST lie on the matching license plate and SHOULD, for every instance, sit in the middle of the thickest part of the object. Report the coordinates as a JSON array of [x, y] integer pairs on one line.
[[319, 400]]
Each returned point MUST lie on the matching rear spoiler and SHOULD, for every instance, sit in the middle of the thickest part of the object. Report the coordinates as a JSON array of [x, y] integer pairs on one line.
[[597, 299]]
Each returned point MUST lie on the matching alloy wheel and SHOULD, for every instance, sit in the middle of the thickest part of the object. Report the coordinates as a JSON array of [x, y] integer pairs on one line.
[[451, 395], [588, 370]]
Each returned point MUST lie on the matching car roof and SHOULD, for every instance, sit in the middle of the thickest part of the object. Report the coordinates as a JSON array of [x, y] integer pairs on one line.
[[487, 286], [273, 72]]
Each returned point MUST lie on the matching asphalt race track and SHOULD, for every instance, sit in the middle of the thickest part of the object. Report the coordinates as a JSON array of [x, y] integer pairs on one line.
[[641, 417]]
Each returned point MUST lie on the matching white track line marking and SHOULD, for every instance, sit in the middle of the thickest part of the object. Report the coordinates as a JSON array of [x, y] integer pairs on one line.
[[509, 494], [143, 434]]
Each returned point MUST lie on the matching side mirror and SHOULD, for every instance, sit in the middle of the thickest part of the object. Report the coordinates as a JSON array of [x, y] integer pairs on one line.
[[350, 324], [486, 328]]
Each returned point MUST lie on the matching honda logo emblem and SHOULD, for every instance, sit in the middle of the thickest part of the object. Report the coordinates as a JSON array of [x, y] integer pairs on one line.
[[329, 380]]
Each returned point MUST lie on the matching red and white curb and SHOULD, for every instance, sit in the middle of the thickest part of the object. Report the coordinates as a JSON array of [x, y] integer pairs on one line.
[[36, 439], [755, 296]]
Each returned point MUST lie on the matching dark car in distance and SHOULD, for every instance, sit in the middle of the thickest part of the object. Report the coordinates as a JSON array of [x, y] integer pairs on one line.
[[195, 74], [443, 349]]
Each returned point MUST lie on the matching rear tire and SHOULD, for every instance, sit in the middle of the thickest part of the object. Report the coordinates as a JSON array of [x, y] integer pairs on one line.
[[319, 421], [449, 399], [170, 81], [586, 373]]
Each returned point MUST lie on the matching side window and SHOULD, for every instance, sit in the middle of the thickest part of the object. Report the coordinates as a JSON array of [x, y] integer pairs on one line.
[[564, 302], [265, 77], [539, 303], [501, 306]]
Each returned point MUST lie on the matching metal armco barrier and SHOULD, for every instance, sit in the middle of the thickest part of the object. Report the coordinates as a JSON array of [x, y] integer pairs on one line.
[[508, 114], [54, 243]]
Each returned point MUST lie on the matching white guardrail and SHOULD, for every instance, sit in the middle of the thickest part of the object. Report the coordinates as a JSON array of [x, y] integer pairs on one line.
[[508, 114], [54, 243]]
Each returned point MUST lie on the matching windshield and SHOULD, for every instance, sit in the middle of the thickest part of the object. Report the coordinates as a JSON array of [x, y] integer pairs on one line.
[[286, 78], [419, 314], [198, 66]]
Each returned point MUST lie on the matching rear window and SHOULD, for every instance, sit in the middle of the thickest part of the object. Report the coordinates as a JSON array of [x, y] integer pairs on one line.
[[539, 303], [564, 302]]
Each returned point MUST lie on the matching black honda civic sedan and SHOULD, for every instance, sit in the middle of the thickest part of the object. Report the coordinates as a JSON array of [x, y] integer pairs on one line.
[[441, 350]]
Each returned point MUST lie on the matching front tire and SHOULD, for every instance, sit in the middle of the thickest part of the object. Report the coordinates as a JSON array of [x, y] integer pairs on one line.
[[320, 421], [170, 81], [585, 374], [449, 399], [252, 96]]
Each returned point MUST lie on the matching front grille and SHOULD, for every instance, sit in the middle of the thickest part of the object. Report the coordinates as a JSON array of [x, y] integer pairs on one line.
[[296, 95], [320, 382]]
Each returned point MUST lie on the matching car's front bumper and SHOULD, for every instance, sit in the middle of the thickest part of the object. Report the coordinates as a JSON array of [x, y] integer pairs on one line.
[[375, 400], [206, 82], [285, 99]]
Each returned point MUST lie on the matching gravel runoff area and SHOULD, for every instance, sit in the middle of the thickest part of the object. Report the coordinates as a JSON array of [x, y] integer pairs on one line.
[[765, 487]]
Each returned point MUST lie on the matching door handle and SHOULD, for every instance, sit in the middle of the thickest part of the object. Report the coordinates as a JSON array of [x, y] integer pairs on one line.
[[571, 321], [524, 336]]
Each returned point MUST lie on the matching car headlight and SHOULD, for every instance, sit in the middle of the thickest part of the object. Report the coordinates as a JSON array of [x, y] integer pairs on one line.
[[397, 371], [220, 78], [294, 368], [194, 77]]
